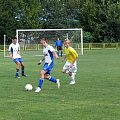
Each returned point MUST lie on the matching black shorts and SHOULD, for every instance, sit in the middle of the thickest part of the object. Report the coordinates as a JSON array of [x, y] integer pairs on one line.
[[59, 48]]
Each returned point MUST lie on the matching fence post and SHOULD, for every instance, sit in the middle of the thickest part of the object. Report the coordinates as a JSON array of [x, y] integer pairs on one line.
[[89, 45], [103, 45], [116, 45]]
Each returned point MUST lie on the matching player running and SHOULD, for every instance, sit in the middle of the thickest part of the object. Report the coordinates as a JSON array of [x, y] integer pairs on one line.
[[49, 54], [14, 54], [70, 66]]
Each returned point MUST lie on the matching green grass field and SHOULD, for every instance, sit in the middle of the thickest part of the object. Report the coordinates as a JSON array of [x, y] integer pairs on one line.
[[95, 96]]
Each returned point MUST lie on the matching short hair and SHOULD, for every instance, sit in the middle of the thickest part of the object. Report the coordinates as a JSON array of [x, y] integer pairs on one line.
[[67, 40], [44, 39], [14, 37]]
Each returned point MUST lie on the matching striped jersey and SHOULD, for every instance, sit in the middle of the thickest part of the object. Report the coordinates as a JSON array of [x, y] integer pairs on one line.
[[48, 53]]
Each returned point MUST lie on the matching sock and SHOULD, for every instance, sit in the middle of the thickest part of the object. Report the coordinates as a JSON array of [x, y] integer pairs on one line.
[[58, 53], [17, 72], [52, 80], [22, 70], [61, 53], [73, 76], [40, 82]]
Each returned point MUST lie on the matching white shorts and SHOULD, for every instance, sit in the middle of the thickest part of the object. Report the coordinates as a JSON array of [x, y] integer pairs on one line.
[[72, 69]]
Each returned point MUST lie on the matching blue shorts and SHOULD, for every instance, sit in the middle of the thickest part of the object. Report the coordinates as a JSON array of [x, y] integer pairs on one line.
[[48, 68], [18, 60]]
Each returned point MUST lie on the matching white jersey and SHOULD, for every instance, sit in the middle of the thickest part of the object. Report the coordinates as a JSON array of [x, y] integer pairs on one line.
[[48, 53], [14, 48]]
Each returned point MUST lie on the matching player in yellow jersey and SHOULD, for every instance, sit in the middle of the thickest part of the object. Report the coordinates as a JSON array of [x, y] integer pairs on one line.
[[70, 66]]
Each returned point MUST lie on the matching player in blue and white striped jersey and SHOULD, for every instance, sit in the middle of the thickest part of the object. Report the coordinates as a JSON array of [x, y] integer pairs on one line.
[[49, 54]]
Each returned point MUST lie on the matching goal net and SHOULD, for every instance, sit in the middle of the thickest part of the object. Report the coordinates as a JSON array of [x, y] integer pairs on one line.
[[29, 38]]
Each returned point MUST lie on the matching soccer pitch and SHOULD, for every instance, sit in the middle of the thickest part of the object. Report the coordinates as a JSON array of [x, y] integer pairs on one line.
[[95, 96]]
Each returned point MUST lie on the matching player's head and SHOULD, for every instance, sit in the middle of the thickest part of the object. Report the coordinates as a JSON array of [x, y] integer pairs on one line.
[[14, 40], [67, 43], [44, 42]]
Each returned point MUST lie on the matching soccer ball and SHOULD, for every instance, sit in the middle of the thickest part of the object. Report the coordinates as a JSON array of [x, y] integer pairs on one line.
[[28, 87]]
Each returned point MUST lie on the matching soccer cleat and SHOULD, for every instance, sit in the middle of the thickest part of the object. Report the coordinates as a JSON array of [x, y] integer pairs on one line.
[[25, 75], [58, 83], [17, 77], [38, 89], [67, 71], [72, 82]]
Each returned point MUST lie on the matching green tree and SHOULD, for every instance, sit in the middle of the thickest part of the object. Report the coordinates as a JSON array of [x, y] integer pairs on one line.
[[102, 19], [18, 14], [53, 14], [7, 21], [28, 14]]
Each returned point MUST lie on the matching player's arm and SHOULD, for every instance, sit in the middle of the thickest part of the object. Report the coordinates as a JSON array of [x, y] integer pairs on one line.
[[54, 52], [18, 52], [18, 49], [55, 55], [10, 54], [41, 61], [63, 59]]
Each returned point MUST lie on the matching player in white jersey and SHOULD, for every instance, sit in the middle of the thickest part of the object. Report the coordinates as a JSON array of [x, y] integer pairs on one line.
[[14, 54], [49, 54]]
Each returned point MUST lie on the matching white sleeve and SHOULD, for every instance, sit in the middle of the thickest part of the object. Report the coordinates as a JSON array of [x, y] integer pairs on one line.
[[52, 49], [9, 48]]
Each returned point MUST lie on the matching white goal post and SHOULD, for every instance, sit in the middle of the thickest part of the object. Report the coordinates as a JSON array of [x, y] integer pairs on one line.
[[30, 36], [6, 46]]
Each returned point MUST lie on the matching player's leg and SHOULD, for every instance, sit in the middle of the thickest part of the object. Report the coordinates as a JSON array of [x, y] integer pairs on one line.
[[17, 67], [58, 50], [22, 67], [23, 70], [42, 73], [65, 68], [42, 76], [72, 76], [61, 53], [50, 78], [40, 83], [72, 73], [61, 50]]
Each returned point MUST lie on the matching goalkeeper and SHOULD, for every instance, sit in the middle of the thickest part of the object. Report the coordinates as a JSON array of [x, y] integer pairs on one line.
[[58, 44]]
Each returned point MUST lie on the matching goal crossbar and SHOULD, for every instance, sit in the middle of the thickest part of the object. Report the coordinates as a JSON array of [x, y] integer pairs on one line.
[[46, 29], [37, 30]]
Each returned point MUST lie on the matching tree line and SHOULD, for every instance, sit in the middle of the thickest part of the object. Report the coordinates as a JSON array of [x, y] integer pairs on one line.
[[100, 19]]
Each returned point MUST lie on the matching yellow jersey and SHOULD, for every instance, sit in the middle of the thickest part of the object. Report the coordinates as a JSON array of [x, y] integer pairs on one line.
[[71, 54]]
